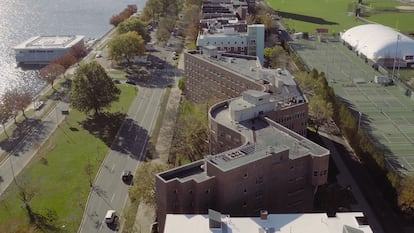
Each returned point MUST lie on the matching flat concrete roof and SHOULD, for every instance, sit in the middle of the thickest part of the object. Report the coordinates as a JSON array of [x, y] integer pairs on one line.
[[264, 138], [50, 42], [276, 223]]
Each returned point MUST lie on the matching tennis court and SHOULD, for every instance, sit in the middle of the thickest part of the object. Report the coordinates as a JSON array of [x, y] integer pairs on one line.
[[387, 115]]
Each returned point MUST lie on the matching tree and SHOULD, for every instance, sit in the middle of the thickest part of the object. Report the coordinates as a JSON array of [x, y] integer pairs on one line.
[[78, 51], [92, 88], [134, 24], [5, 115], [181, 84], [321, 110], [277, 57], [165, 26], [24, 98], [127, 45], [89, 172], [66, 60], [16, 100], [125, 14], [26, 193], [51, 72], [144, 182], [406, 195]]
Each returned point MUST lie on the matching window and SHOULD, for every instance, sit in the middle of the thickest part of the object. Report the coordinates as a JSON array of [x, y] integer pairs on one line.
[[259, 180], [190, 191], [315, 173], [245, 175], [245, 191], [207, 191]]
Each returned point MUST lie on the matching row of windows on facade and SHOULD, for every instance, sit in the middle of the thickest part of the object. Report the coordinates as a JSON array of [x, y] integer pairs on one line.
[[222, 42], [41, 51], [259, 204], [223, 86], [295, 116], [227, 83]]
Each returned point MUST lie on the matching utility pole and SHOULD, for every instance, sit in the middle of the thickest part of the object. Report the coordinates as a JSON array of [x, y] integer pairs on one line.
[[395, 57]]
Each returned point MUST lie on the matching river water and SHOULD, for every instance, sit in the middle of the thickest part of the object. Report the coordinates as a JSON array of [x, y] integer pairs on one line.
[[22, 19]]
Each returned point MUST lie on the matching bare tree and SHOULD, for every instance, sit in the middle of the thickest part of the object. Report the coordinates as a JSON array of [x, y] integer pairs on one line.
[[26, 193], [51, 72], [89, 172]]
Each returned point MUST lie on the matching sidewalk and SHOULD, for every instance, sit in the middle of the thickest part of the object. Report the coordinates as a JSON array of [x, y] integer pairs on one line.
[[27, 147], [345, 179]]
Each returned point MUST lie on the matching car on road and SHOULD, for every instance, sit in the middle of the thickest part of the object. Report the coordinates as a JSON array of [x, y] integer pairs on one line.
[[110, 217], [127, 176], [131, 82], [117, 81], [174, 55]]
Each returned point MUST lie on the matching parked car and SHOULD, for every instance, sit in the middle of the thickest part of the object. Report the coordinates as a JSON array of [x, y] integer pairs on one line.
[[131, 82]]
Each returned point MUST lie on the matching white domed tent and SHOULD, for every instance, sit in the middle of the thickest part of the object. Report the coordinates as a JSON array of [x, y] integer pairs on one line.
[[380, 44]]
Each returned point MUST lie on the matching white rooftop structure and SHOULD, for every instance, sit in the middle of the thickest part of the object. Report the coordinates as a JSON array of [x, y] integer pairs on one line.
[[47, 42], [43, 49], [378, 42], [351, 222]]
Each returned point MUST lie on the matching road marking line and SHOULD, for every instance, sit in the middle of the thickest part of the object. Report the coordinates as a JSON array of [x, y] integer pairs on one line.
[[112, 197], [113, 167]]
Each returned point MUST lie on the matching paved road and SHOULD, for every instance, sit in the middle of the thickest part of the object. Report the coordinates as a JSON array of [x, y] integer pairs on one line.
[[109, 192], [28, 147], [127, 151]]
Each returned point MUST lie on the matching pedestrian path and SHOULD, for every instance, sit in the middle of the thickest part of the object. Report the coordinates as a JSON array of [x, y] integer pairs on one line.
[[345, 179], [24, 151]]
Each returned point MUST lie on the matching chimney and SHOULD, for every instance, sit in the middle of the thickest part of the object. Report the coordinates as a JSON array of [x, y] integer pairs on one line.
[[263, 214]]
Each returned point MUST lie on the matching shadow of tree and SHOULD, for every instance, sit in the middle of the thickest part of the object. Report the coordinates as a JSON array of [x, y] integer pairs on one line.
[[306, 18], [24, 130], [47, 221], [104, 126], [131, 140]]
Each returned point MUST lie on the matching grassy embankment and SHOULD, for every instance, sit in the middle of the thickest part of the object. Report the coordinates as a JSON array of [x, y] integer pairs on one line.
[[338, 15], [57, 173]]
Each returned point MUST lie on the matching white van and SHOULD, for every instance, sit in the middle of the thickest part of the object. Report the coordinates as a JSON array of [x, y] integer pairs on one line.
[[110, 216]]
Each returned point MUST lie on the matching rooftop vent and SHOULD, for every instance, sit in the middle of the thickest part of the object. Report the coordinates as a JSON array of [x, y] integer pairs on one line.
[[263, 214]]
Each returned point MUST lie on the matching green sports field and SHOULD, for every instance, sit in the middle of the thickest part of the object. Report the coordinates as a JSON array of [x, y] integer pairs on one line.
[[339, 15]]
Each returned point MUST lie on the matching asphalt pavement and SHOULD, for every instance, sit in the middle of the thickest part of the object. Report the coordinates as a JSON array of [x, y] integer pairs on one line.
[[109, 192], [24, 151]]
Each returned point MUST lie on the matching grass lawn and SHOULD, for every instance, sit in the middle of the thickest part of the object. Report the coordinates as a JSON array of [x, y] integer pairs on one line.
[[395, 20], [57, 173], [336, 15]]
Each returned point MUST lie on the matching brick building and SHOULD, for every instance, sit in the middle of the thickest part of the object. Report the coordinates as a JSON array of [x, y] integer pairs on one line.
[[259, 157]]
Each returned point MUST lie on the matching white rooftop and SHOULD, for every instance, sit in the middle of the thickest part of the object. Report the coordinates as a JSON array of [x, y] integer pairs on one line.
[[275, 223], [378, 41], [50, 42]]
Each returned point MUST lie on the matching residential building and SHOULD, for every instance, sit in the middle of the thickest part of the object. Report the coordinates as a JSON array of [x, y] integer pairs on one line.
[[226, 38], [274, 169]]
